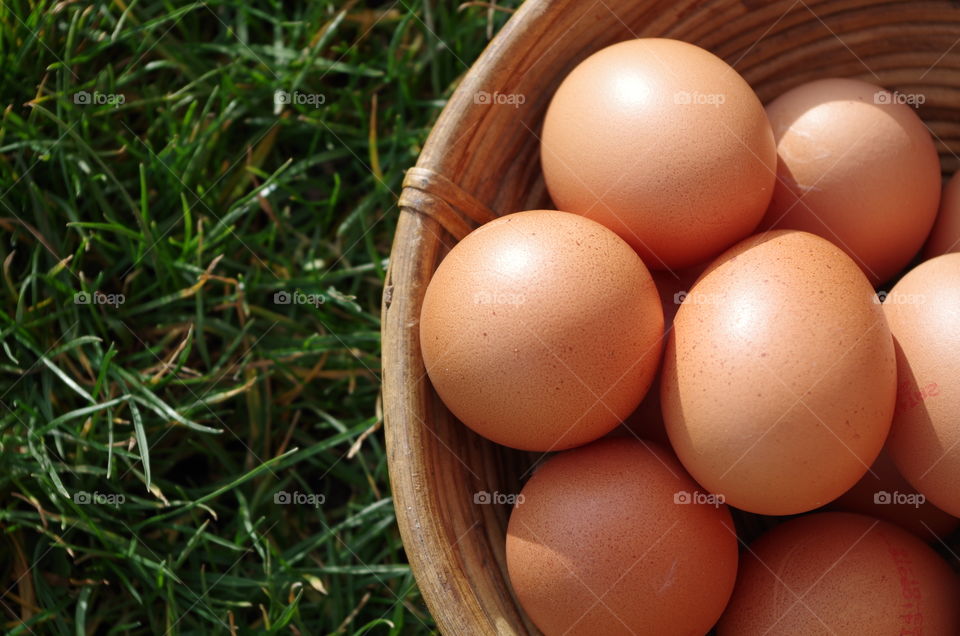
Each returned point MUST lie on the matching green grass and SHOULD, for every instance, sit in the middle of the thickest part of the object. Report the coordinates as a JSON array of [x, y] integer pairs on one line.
[[146, 169]]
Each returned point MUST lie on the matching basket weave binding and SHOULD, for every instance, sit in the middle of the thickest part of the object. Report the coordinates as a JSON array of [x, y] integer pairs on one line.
[[430, 193]]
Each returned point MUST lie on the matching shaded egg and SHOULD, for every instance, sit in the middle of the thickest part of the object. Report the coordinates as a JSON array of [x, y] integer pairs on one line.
[[836, 573], [779, 376], [945, 236], [664, 143], [856, 166], [541, 330], [646, 421], [614, 538], [923, 310], [884, 493]]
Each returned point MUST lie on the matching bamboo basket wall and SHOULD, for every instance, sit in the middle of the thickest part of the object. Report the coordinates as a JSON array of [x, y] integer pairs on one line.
[[482, 160]]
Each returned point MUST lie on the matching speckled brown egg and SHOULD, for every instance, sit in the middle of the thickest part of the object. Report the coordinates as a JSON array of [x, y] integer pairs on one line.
[[664, 143], [857, 166], [945, 236], [779, 377], [923, 311], [834, 574], [615, 538], [541, 330], [884, 493]]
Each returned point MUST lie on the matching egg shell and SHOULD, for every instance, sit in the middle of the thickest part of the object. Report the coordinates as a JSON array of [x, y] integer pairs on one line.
[[611, 539], [541, 330], [857, 167], [883, 493], [836, 574], [923, 311], [945, 236], [663, 142], [779, 376]]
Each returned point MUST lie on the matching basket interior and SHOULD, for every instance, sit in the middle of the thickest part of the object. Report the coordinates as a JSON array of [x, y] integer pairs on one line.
[[492, 152]]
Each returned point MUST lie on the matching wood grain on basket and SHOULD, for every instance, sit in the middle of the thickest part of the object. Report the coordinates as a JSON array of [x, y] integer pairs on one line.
[[480, 162], [433, 194]]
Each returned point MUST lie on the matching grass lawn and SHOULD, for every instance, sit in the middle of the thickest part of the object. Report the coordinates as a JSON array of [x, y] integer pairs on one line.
[[196, 209]]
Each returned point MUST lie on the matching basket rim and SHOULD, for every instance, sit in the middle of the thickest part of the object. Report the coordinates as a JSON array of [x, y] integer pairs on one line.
[[432, 204], [434, 210]]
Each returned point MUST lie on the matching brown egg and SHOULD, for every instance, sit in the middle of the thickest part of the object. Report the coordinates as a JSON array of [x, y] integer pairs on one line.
[[541, 330], [923, 311], [664, 143], [779, 376], [945, 236], [837, 574], [884, 493], [857, 167], [614, 538]]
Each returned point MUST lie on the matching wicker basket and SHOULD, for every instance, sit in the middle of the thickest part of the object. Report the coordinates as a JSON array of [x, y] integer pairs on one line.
[[481, 161]]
